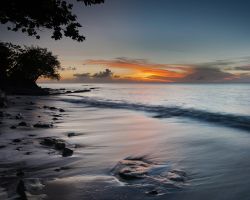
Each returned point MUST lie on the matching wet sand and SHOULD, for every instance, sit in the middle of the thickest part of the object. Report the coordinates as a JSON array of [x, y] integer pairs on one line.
[[117, 154]]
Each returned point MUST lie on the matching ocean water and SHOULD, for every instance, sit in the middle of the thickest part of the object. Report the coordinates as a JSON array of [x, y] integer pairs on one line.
[[201, 129]]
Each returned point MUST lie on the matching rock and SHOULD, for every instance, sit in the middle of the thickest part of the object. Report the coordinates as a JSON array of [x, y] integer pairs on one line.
[[61, 168], [45, 107], [28, 153], [52, 108], [13, 127], [2, 146], [41, 125], [152, 192], [72, 134], [48, 141], [60, 145], [179, 172], [54, 118], [67, 152], [19, 116], [61, 110], [176, 175], [130, 169], [16, 140], [22, 124], [56, 115], [18, 148]]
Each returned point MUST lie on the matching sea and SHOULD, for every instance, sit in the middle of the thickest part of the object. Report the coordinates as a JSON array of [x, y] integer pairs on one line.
[[200, 129]]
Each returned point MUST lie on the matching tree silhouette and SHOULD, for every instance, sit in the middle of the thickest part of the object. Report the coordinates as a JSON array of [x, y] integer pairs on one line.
[[31, 15], [32, 63], [8, 55]]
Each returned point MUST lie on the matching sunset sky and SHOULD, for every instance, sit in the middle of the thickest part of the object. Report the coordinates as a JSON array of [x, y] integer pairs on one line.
[[154, 41]]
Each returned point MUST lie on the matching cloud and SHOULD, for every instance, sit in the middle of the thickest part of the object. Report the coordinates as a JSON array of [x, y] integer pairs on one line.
[[103, 76], [206, 74], [143, 70], [68, 69], [242, 68]]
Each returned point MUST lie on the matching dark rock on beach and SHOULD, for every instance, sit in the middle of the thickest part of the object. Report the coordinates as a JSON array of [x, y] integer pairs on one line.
[[67, 152], [152, 192], [43, 125], [141, 171], [60, 145], [48, 141], [72, 134], [177, 175], [16, 140], [19, 116], [130, 169]]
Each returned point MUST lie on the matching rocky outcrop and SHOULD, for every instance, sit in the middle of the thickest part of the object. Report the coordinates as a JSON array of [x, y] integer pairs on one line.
[[162, 178]]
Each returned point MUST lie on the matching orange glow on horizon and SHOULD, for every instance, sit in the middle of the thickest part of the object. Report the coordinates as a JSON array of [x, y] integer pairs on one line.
[[130, 71], [145, 72]]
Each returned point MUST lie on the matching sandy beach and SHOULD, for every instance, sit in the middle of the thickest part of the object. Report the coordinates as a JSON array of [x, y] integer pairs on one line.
[[54, 148], [35, 133]]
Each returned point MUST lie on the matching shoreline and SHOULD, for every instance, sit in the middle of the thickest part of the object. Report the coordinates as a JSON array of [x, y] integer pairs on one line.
[[117, 153], [21, 141], [36, 157]]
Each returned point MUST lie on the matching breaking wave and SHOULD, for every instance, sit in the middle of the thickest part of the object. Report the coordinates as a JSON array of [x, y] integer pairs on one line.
[[229, 120]]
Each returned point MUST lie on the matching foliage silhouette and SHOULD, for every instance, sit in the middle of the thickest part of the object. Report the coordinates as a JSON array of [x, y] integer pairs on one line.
[[29, 16], [8, 55], [23, 66]]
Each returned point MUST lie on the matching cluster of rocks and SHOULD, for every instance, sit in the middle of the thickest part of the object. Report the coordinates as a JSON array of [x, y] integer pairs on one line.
[[61, 91], [57, 144], [54, 108], [141, 171], [37, 125], [24, 145]]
